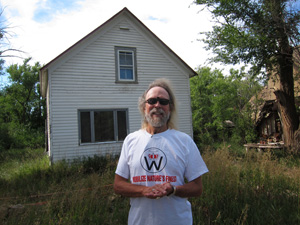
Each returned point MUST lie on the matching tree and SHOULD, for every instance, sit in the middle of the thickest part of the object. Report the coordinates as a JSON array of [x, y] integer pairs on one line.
[[23, 94], [263, 34], [216, 99], [22, 109], [5, 34]]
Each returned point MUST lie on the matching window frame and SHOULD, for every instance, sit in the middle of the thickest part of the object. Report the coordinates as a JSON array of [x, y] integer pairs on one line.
[[132, 50], [92, 125]]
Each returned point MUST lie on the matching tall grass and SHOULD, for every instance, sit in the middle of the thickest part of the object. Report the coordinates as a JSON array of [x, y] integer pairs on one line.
[[256, 188]]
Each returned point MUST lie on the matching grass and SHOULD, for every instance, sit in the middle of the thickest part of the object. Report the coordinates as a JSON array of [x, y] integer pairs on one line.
[[257, 188]]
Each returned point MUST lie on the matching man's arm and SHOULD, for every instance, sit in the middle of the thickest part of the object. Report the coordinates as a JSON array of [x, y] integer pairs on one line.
[[191, 189], [124, 188]]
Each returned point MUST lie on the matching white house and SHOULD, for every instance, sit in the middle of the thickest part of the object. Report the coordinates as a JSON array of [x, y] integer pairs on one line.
[[92, 88]]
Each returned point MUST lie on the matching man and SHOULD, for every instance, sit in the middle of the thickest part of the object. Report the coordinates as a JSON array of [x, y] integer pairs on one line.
[[157, 159]]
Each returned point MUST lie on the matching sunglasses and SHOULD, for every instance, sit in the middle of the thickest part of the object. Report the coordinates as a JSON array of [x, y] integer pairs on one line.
[[162, 101]]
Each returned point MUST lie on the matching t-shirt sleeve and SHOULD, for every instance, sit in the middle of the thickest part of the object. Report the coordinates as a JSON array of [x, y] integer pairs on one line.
[[195, 165], [122, 167]]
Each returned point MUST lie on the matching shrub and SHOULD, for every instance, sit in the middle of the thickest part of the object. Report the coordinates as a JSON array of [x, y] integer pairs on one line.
[[21, 136], [5, 138]]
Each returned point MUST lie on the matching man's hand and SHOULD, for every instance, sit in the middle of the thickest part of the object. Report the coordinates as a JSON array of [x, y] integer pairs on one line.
[[158, 190]]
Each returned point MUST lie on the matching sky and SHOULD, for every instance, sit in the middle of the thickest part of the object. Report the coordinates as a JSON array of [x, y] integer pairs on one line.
[[45, 28]]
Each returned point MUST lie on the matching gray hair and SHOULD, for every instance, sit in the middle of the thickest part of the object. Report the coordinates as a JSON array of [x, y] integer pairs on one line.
[[165, 84]]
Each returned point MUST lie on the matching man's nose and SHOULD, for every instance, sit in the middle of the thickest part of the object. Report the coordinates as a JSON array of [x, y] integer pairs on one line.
[[157, 104]]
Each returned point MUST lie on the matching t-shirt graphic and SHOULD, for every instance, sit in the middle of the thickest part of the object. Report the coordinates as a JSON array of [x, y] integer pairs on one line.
[[153, 159]]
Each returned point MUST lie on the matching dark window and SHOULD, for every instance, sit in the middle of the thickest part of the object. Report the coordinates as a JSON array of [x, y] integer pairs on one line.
[[102, 125], [85, 122], [122, 128]]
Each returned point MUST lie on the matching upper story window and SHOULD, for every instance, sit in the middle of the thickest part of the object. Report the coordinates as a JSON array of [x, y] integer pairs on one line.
[[125, 58]]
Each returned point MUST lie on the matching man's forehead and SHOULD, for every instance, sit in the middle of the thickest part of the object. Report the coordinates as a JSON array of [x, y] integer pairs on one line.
[[157, 91]]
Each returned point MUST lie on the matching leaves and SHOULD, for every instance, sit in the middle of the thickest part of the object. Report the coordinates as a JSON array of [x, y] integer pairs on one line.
[[264, 34], [22, 96], [217, 98], [252, 32], [22, 109]]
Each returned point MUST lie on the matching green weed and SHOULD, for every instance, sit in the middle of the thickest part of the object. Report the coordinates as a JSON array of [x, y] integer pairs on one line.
[[253, 188]]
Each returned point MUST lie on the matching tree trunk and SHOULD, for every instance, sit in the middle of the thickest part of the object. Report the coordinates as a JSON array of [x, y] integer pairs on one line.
[[286, 99], [285, 95], [296, 145]]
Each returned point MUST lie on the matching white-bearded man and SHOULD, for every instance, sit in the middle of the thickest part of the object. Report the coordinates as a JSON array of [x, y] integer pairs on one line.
[[156, 161]]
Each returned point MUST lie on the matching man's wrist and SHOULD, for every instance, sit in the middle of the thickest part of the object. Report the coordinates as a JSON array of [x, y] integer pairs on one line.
[[173, 191]]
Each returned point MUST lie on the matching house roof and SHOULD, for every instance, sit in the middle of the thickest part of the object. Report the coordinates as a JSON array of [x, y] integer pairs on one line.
[[43, 72]]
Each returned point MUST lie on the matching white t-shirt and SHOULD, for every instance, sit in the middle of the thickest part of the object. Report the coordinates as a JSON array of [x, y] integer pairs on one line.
[[146, 159]]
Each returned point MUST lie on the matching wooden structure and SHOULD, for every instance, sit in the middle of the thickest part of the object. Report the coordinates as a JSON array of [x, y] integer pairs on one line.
[[265, 109]]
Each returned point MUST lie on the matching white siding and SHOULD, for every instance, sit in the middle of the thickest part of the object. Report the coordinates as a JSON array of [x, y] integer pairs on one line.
[[85, 79], [48, 123]]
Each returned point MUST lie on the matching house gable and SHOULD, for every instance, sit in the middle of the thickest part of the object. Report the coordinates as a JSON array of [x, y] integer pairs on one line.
[[81, 88], [125, 21]]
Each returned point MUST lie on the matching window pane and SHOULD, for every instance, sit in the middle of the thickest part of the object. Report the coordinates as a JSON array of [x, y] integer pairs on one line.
[[85, 127], [104, 126], [126, 58], [129, 58], [126, 73], [122, 128]]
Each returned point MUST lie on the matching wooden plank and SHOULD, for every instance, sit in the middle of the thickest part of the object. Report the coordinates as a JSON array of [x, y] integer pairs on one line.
[[263, 146]]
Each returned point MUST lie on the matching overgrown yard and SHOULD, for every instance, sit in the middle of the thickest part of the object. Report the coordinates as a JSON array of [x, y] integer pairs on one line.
[[257, 188]]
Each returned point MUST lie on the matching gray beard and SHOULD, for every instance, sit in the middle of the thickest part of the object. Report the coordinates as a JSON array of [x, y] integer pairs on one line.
[[157, 122]]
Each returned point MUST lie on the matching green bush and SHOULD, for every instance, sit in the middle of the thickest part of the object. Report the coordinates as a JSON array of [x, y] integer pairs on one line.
[[13, 135], [5, 138]]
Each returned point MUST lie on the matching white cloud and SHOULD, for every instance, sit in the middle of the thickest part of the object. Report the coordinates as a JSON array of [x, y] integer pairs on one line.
[[176, 22]]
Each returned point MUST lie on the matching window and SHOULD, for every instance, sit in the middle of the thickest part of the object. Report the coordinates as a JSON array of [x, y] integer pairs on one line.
[[102, 125], [125, 64]]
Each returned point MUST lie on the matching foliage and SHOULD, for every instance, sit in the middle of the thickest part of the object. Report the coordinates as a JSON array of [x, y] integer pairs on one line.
[[251, 31], [263, 34], [23, 94], [22, 109], [254, 188], [5, 138], [217, 101]]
